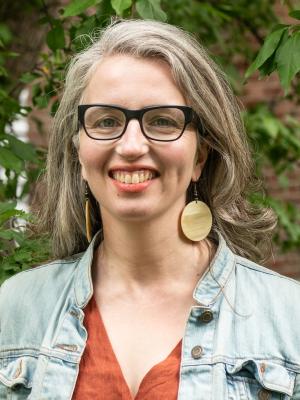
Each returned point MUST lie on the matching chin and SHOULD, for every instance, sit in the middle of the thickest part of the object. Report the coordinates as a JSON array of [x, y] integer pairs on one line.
[[134, 215]]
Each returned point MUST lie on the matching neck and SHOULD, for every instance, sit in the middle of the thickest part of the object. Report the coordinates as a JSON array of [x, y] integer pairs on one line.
[[151, 254]]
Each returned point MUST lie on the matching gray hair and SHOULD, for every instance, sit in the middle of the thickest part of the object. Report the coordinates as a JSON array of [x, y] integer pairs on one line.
[[228, 175]]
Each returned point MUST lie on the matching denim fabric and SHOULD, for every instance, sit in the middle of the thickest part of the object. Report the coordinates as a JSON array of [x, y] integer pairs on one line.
[[241, 341]]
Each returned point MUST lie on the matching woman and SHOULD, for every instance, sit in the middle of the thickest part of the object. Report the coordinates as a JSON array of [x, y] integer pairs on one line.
[[164, 303]]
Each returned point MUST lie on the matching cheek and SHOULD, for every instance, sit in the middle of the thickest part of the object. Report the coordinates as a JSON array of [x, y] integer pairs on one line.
[[182, 156], [92, 156], [179, 168], [89, 158]]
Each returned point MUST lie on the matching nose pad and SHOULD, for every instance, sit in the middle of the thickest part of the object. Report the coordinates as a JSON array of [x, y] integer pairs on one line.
[[133, 143]]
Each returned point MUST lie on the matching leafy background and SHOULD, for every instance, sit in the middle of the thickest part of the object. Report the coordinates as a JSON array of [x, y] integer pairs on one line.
[[37, 39]]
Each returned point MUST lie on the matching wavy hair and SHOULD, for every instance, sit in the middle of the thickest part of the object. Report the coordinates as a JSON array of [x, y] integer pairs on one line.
[[228, 176]]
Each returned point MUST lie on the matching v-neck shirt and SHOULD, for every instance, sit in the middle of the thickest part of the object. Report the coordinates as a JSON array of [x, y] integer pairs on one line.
[[100, 375]]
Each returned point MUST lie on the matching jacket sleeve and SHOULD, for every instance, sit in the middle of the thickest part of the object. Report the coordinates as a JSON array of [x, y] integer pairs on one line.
[[3, 310], [296, 394]]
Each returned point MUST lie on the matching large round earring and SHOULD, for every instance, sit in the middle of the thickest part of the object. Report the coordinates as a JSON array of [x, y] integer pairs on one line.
[[88, 225], [196, 219]]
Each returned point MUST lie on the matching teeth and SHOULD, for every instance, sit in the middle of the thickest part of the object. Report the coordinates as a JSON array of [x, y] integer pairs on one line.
[[133, 177], [127, 178]]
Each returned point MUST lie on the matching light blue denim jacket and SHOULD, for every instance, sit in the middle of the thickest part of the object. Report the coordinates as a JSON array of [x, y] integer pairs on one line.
[[242, 340]]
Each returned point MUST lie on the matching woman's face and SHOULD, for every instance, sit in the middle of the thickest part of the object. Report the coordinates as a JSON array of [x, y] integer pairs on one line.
[[134, 83]]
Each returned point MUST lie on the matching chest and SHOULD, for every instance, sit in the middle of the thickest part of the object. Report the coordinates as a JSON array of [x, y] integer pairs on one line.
[[148, 336]]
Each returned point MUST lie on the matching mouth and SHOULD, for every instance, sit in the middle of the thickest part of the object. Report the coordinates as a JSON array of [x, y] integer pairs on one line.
[[133, 177]]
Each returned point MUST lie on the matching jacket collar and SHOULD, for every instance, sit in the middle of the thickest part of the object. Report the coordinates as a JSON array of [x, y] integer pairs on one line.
[[83, 279], [207, 290], [214, 280]]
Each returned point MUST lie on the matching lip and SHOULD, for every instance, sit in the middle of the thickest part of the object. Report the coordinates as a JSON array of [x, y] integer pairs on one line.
[[132, 187]]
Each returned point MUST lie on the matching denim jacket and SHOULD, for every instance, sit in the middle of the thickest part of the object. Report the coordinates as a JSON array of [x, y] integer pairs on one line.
[[241, 341]]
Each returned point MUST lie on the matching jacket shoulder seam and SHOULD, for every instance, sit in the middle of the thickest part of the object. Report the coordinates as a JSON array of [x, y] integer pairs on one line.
[[264, 270]]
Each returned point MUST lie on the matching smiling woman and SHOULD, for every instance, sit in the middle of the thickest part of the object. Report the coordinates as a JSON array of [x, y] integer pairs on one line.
[[158, 144], [147, 179]]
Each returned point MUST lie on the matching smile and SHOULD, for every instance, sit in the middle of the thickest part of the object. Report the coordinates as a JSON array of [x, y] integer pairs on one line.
[[133, 176]]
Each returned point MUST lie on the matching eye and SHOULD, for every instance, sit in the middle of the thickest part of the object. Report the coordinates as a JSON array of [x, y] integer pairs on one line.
[[163, 122], [106, 122]]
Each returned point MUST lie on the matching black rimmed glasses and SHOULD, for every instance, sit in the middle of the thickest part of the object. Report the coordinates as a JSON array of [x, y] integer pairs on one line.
[[162, 123]]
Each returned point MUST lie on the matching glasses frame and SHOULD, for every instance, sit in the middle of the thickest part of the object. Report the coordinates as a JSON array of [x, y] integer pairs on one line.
[[188, 112]]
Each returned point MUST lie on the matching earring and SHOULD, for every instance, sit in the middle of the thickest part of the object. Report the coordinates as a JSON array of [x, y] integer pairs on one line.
[[196, 219], [88, 225]]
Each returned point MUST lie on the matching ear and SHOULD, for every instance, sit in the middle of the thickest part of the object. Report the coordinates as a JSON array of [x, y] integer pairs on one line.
[[83, 170], [200, 160], [83, 173], [76, 142]]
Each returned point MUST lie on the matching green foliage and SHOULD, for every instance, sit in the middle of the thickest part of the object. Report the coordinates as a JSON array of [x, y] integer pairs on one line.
[[120, 6], [150, 9], [295, 14], [223, 26], [281, 52], [276, 144], [56, 37], [269, 47], [18, 250], [273, 140], [77, 7], [288, 59], [19, 161], [288, 234]]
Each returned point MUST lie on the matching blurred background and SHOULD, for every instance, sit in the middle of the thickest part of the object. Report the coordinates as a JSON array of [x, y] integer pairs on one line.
[[257, 44]]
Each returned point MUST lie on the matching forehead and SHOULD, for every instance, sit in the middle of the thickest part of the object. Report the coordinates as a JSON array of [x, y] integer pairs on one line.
[[127, 80]]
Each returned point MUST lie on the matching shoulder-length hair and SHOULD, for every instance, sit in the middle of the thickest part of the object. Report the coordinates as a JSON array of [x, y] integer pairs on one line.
[[228, 175]]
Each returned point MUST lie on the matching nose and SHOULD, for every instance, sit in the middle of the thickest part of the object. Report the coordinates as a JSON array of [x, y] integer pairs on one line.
[[133, 144]]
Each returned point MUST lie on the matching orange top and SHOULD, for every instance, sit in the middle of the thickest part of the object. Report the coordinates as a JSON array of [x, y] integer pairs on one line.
[[100, 375]]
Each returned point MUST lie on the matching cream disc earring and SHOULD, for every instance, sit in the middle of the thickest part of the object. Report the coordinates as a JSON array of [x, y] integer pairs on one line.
[[88, 225], [196, 219]]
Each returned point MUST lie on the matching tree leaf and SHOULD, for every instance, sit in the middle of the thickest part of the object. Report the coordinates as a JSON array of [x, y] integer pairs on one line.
[[120, 5], [5, 34], [270, 65], [7, 206], [295, 14], [9, 161], [78, 6], [271, 125], [268, 48], [41, 101], [150, 9], [25, 151], [56, 38], [6, 216], [288, 60], [3, 72]]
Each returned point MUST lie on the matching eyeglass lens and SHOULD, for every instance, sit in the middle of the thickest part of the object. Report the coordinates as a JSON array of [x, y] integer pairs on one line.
[[159, 123]]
